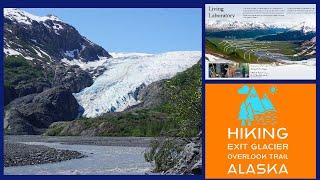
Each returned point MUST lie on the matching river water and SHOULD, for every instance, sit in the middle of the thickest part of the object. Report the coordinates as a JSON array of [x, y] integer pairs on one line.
[[100, 160]]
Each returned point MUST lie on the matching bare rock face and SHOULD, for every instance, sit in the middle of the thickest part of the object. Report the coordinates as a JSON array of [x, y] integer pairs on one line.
[[9, 94], [189, 159], [150, 96], [176, 156], [34, 113], [72, 78], [24, 89]]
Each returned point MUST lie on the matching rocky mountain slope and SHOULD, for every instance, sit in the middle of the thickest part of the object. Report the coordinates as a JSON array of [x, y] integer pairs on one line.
[[33, 113], [41, 45], [46, 39], [36, 74]]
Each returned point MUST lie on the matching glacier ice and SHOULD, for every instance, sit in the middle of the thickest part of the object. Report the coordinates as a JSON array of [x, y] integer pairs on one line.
[[114, 89]]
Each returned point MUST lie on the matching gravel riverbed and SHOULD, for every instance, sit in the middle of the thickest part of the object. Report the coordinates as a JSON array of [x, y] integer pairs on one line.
[[70, 155], [82, 140], [16, 154]]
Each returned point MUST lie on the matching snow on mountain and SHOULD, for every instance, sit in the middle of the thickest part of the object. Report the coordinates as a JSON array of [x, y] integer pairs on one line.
[[233, 25], [303, 26], [86, 65], [20, 16], [115, 89], [220, 25], [94, 68], [9, 51], [46, 38]]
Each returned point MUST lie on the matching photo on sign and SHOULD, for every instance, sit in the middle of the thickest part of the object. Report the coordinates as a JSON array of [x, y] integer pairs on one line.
[[228, 70], [278, 41]]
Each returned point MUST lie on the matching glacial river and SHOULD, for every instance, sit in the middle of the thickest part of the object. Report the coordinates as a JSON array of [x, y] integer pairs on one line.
[[100, 160]]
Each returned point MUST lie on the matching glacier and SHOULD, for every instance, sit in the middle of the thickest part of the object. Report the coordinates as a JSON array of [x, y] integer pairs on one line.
[[113, 91]]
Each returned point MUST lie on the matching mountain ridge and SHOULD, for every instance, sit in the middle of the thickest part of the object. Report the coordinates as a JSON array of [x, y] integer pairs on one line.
[[42, 44], [243, 25], [46, 38]]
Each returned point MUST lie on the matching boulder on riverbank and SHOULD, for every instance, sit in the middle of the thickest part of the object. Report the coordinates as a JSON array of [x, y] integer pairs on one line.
[[32, 114]]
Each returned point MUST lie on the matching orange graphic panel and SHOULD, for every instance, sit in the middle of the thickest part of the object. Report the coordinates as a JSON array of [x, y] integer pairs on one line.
[[260, 131]]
